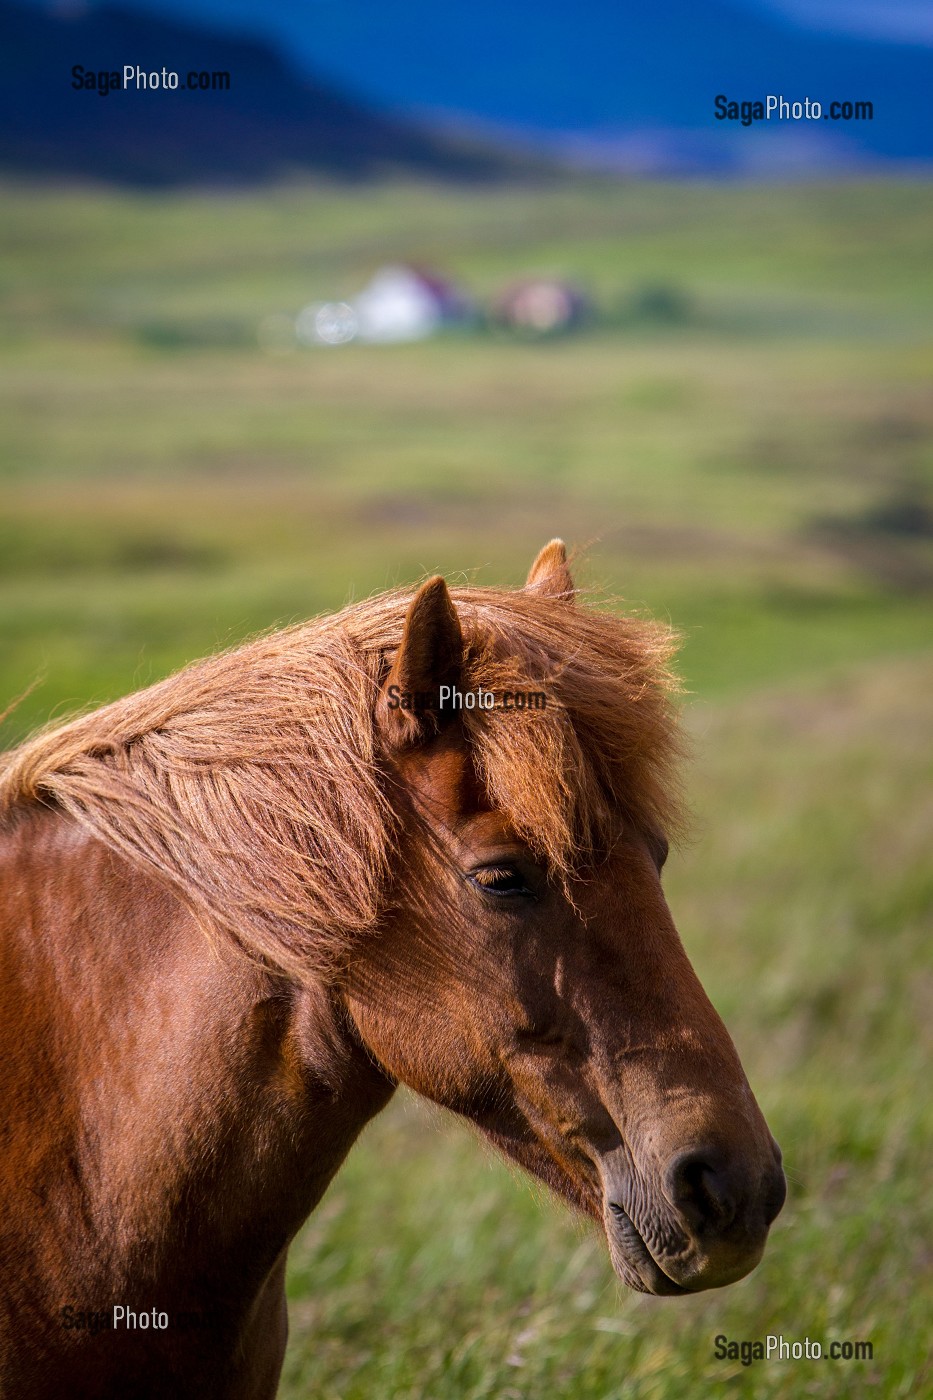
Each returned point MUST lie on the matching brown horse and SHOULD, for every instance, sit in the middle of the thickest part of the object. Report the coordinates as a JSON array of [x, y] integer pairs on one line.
[[239, 907]]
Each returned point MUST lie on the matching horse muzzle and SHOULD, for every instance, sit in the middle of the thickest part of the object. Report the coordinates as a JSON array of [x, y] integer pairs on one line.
[[703, 1225]]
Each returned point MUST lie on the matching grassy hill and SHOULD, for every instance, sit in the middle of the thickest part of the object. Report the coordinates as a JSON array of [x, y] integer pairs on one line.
[[755, 464]]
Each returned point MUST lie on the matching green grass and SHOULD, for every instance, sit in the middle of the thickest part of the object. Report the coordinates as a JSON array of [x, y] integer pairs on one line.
[[761, 473], [725, 471]]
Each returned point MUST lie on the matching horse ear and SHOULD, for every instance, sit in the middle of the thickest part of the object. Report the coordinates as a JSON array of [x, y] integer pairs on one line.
[[410, 707], [549, 576]]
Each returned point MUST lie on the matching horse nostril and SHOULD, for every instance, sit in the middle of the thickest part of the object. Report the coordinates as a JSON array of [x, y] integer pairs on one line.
[[702, 1189]]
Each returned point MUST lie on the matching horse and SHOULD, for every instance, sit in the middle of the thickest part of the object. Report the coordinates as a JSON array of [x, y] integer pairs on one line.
[[240, 907]]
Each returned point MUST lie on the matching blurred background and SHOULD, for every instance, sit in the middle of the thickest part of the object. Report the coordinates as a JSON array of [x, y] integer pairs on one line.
[[424, 287]]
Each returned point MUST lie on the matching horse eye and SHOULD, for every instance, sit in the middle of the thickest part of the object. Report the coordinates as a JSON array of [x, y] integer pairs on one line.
[[499, 880]]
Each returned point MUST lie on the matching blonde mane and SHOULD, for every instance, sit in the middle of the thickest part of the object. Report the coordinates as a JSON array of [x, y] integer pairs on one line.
[[254, 784]]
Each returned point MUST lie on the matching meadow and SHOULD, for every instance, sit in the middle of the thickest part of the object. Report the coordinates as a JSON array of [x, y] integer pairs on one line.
[[758, 469]]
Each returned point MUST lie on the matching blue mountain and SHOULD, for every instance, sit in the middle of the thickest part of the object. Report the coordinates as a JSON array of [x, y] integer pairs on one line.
[[60, 113], [619, 76], [626, 84]]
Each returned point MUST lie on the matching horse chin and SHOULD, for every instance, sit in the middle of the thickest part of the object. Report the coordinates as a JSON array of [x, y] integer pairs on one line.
[[637, 1267], [632, 1260]]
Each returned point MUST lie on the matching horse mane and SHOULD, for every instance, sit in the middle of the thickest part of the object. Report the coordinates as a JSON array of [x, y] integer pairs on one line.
[[254, 782]]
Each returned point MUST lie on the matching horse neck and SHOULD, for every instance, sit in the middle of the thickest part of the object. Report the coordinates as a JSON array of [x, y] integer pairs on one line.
[[172, 1070]]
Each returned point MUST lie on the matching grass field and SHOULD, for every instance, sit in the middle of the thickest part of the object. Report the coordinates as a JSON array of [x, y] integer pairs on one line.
[[760, 471]]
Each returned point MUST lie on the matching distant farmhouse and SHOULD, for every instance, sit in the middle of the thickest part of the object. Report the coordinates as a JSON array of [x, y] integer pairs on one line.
[[409, 303], [402, 303], [540, 306], [399, 303]]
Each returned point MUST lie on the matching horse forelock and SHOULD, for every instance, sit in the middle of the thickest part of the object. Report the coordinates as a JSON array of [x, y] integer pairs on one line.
[[254, 784]]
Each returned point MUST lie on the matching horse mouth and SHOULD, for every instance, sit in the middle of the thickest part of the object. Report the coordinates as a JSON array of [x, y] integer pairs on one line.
[[634, 1260]]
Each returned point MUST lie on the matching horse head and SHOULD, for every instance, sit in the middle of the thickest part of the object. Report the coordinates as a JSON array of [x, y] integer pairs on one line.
[[551, 1002]]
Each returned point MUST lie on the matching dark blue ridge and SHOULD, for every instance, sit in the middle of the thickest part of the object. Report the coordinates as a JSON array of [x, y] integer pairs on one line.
[[273, 121]]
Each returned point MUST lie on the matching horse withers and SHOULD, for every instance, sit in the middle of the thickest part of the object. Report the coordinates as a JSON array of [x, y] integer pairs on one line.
[[240, 907]]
